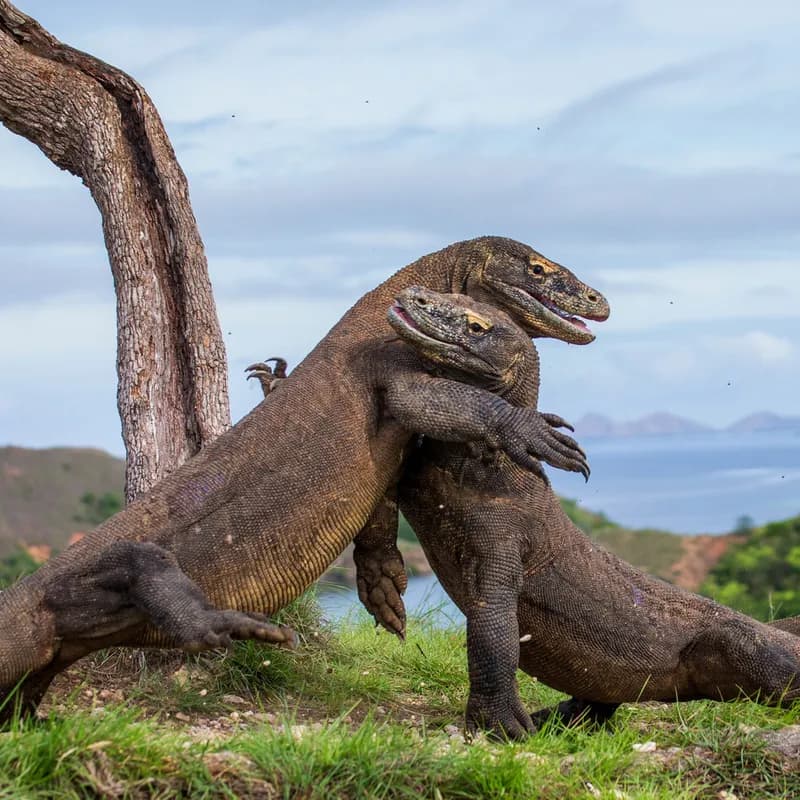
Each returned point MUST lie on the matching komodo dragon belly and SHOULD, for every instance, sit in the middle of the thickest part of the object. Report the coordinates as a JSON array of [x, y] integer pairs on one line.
[[278, 537]]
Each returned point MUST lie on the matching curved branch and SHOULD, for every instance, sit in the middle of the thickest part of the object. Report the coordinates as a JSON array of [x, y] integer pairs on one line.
[[98, 123]]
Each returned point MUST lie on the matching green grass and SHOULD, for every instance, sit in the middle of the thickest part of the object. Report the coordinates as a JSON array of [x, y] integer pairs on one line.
[[357, 714], [652, 550]]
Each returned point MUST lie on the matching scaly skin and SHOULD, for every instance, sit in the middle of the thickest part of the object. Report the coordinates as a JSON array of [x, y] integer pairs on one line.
[[260, 513], [539, 594]]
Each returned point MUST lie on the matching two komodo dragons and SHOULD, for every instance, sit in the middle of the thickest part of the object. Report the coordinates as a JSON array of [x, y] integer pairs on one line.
[[260, 513], [536, 591]]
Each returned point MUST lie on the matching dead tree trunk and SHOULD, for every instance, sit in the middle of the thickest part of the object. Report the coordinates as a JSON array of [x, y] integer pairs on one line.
[[97, 122]]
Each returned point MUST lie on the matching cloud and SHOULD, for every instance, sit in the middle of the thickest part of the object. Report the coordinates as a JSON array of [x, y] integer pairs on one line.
[[759, 346], [691, 292]]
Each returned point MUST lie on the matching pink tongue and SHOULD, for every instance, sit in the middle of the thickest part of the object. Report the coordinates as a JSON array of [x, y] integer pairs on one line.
[[403, 314]]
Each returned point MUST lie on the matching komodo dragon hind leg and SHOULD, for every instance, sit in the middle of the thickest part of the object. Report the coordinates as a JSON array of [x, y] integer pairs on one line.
[[380, 573], [126, 589], [136, 583], [575, 711]]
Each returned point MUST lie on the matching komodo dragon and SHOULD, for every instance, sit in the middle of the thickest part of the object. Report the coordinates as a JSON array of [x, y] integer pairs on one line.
[[536, 591], [261, 512]]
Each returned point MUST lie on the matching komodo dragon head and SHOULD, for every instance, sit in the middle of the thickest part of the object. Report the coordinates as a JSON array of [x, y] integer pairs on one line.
[[544, 297], [460, 335]]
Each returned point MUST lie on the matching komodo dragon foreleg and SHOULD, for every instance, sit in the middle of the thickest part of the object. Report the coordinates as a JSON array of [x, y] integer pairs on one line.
[[492, 576], [380, 573]]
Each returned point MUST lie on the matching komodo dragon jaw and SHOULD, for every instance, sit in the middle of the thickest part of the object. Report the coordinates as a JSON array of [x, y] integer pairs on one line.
[[452, 333], [541, 295]]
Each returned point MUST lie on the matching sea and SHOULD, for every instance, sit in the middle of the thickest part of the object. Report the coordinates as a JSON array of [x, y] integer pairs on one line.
[[684, 483]]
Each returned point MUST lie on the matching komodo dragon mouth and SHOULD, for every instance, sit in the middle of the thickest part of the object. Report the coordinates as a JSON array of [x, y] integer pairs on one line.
[[576, 322], [549, 318], [397, 312]]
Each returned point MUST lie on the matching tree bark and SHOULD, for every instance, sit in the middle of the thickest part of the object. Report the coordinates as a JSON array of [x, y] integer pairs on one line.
[[96, 122]]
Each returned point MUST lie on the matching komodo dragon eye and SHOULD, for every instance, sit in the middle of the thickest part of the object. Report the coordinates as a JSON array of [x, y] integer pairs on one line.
[[477, 327], [537, 269]]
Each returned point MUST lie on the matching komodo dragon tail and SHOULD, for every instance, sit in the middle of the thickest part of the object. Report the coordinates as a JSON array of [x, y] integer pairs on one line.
[[788, 624], [27, 646]]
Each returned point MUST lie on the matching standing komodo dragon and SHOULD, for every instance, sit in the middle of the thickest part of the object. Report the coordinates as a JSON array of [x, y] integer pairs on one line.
[[262, 511], [498, 539]]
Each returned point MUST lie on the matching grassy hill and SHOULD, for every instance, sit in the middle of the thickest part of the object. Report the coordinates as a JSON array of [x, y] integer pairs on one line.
[[41, 490], [680, 559]]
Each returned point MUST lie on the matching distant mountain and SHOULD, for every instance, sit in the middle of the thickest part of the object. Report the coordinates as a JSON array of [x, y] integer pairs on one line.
[[657, 424], [41, 490], [764, 421], [664, 424]]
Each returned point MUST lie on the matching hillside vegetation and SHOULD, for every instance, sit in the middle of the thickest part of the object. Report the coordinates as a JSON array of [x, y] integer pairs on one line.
[[41, 491], [760, 575]]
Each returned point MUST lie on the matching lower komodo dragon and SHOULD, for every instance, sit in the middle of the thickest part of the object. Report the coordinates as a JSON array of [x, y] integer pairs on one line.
[[260, 513], [536, 591]]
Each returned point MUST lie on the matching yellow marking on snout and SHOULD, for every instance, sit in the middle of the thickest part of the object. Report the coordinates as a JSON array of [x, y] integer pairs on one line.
[[473, 317]]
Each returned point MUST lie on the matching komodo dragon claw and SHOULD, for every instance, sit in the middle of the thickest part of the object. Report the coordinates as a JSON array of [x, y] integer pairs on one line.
[[543, 442], [217, 628], [504, 718], [380, 584], [269, 378], [557, 422]]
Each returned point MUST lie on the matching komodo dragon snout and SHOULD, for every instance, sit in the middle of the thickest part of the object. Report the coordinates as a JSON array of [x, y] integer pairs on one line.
[[543, 296], [460, 335]]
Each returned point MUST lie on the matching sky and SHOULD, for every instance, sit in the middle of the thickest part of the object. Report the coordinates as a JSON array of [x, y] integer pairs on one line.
[[651, 147]]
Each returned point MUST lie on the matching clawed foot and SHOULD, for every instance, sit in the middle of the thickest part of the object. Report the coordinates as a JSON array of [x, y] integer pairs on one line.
[[219, 628], [268, 377], [530, 437], [566, 452], [381, 581], [502, 717], [574, 712]]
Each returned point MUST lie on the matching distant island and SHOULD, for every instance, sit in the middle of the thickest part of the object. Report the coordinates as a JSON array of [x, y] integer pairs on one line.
[[662, 423]]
